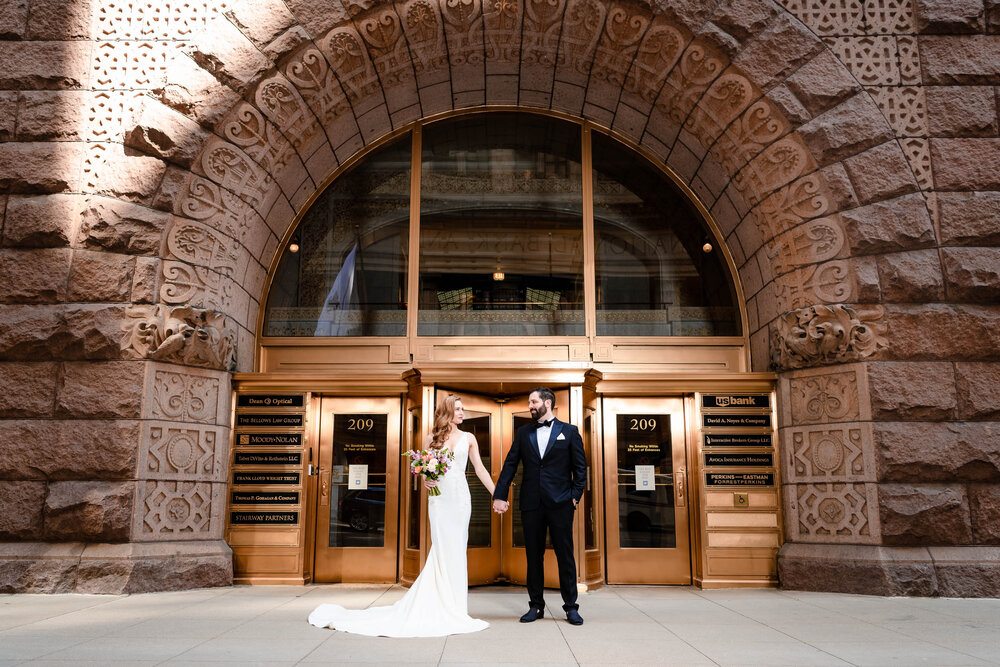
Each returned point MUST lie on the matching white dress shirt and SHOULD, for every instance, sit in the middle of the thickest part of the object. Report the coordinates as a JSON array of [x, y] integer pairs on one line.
[[543, 433]]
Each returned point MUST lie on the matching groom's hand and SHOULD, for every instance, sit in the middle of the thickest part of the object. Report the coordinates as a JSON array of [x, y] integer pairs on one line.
[[500, 506]]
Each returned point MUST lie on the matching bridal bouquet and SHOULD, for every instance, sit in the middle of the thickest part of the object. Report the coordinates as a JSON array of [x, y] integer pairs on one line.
[[432, 464]]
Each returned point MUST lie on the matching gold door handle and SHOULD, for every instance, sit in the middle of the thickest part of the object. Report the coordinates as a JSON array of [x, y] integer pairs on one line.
[[681, 484], [324, 488]]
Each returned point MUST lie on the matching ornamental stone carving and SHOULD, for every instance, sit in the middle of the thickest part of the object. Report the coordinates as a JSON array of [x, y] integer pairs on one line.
[[182, 335], [834, 513], [825, 334]]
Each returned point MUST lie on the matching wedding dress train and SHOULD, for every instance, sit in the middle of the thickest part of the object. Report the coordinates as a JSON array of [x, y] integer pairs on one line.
[[437, 604]]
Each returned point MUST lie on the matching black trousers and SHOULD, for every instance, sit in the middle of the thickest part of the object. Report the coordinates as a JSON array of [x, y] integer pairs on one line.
[[559, 523]]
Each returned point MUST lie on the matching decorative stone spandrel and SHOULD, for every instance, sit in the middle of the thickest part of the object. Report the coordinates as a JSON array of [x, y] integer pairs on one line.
[[35, 275], [826, 334], [824, 395], [35, 384], [193, 395], [924, 514], [972, 275], [829, 453], [912, 390], [183, 452], [63, 450], [938, 452], [88, 511], [21, 510], [977, 384], [183, 334]]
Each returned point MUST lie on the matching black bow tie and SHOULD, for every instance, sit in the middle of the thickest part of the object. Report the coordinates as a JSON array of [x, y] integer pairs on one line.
[[545, 423]]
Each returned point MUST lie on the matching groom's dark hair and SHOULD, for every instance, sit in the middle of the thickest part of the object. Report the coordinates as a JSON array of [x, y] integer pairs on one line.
[[545, 394]]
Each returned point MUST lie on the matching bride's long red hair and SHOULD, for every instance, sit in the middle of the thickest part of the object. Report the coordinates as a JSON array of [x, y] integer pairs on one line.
[[444, 414]]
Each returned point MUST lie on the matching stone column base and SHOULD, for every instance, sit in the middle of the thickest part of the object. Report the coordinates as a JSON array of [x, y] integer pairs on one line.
[[75, 567], [873, 570]]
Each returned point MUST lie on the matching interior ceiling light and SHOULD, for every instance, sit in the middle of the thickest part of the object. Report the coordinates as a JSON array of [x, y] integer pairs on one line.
[[293, 247], [706, 247]]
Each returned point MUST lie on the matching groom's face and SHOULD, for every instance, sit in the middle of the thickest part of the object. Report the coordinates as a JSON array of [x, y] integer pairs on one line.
[[536, 406]]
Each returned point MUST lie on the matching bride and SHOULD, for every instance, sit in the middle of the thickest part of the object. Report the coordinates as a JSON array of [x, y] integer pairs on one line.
[[437, 603]]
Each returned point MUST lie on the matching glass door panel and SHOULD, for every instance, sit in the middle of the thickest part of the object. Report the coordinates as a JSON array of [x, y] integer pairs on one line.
[[358, 495], [647, 509]]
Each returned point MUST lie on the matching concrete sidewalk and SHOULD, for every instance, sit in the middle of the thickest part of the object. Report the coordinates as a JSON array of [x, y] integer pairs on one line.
[[624, 625]]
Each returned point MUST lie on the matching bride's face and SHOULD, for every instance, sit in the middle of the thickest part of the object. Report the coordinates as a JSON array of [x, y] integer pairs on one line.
[[459, 413]]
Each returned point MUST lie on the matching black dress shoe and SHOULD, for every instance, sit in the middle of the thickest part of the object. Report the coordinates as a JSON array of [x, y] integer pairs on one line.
[[574, 618], [533, 614]]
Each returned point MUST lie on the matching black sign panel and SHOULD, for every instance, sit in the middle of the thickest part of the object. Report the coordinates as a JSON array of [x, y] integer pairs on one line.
[[361, 439], [261, 478], [267, 458], [270, 400], [263, 518], [738, 459], [644, 440], [268, 439], [739, 479], [267, 419], [264, 498], [738, 440], [737, 420], [735, 401]]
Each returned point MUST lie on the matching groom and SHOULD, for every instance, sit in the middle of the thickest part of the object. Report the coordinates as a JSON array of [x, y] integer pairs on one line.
[[555, 472]]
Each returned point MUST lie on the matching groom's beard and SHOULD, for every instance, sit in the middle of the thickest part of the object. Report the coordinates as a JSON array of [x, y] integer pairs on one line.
[[535, 413]]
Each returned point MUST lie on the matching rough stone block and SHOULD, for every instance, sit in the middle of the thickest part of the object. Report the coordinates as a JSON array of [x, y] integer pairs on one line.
[[943, 332], [890, 226], [34, 276], [119, 226], [196, 93], [970, 571], [969, 218], [165, 133], [849, 128], [992, 16], [977, 386], [966, 164], [972, 275], [93, 332], [21, 510], [965, 59], [39, 222], [911, 277], [143, 568], [262, 21], [31, 389], [38, 167], [145, 280], [71, 449], [13, 19], [125, 173], [880, 173], [8, 114], [229, 56], [88, 511], [984, 500], [924, 514], [318, 17], [777, 51], [101, 390], [938, 452], [44, 65], [961, 111], [60, 20], [949, 16], [100, 276], [51, 115], [30, 332], [857, 569], [37, 567], [912, 390]]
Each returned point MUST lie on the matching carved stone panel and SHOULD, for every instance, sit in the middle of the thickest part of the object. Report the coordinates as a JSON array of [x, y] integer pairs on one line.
[[174, 510], [183, 394], [826, 334], [184, 335], [172, 450], [825, 395], [829, 453], [844, 513]]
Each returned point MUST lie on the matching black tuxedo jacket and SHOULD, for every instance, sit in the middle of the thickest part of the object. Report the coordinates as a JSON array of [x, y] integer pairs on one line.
[[559, 477]]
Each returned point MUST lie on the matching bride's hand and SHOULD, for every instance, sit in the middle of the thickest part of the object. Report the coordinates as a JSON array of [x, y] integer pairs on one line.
[[430, 483]]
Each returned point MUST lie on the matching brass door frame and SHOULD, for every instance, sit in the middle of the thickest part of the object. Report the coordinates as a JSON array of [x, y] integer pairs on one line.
[[641, 565], [343, 564]]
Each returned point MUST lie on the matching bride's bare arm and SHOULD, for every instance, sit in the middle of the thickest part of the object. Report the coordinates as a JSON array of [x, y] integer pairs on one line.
[[477, 463]]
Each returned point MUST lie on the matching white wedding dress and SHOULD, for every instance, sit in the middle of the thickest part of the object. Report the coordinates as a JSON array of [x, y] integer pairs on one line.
[[437, 603]]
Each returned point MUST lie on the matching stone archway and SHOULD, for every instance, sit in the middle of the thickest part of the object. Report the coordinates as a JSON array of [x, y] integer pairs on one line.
[[761, 118]]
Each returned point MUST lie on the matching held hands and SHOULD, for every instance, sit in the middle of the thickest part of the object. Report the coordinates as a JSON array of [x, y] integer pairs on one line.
[[500, 506]]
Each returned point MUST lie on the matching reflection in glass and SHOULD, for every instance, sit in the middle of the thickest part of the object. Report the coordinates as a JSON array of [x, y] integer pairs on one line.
[[589, 524], [357, 516], [653, 277], [501, 241], [480, 522], [348, 277], [413, 520], [645, 518]]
